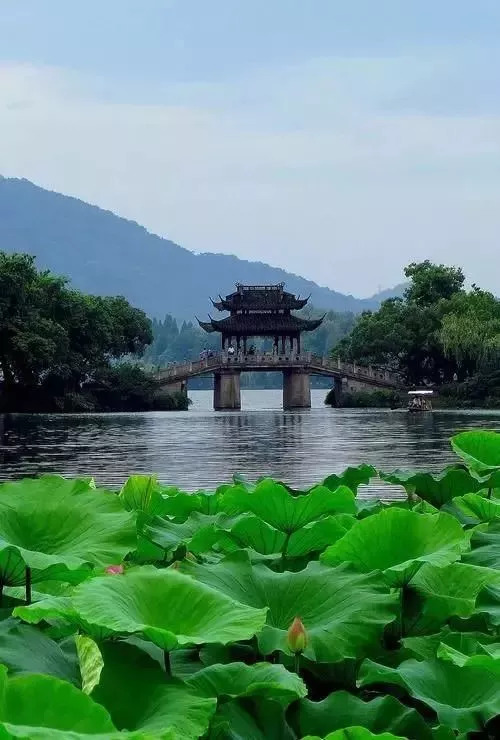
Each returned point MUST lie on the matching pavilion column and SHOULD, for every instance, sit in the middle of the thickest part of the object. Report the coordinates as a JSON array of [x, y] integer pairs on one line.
[[298, 344], [283, 351]]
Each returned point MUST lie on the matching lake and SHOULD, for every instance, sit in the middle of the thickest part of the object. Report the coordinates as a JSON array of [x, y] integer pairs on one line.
[[202, 448]]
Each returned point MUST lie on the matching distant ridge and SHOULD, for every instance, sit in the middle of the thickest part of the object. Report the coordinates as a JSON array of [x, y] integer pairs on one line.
[[104, 254]]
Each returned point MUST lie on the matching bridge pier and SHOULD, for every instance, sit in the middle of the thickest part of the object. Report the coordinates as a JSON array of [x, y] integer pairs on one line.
[[227, 394], [296, 389]]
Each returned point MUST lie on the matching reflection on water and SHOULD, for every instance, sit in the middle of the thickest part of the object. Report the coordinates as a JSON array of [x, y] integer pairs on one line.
[[202, 448]]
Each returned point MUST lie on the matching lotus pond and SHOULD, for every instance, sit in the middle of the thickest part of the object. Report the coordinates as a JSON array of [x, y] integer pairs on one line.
[[255, 611]]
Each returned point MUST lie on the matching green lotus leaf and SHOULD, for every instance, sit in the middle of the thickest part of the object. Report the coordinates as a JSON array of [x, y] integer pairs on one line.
[[429, 647], [342, 709], [240, 680], [479, 508], [355, 733], [251, 532], [197, 533], [488, 603], [489, 660], [147, 700], [90, 661], [163, 606], [250, 719], [445, 592], [343, 612], [13, 564], [275, 505], [463, 698], [61, 532], [398, 543], [181, 504], [142, 493], [45, 707], [479, 449], [435, 489], [352, 477], [24, 649], [485, 544], [248, 531]]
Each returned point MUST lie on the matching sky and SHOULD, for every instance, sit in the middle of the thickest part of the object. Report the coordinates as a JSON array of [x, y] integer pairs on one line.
[[340, 140]]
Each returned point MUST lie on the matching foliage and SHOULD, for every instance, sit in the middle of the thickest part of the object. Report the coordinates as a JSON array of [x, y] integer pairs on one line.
[[254, 611], [436, 332], [378, 398], [55, 340]]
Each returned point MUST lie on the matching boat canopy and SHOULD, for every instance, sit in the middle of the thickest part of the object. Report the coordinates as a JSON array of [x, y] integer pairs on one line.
[[421, 393]]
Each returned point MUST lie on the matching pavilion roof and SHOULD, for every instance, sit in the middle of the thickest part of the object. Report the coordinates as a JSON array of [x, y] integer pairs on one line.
[[260, 324], [259, 297]]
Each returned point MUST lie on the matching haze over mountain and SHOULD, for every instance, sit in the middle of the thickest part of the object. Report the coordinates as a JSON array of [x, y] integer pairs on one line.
[[104, 254]]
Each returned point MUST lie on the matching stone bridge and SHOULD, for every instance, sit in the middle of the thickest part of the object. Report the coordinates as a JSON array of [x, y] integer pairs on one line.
[[296, 370]]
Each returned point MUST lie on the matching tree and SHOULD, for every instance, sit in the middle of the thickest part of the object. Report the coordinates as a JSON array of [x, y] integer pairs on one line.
[[470, 331], [430, 283], [53, 338], [435, 331]]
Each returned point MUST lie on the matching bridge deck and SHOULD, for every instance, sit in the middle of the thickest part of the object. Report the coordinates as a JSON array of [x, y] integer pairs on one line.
[[260, 362]]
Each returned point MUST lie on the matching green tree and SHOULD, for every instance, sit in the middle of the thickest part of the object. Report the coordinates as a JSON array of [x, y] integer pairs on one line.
[[53, 338], [435, 331]]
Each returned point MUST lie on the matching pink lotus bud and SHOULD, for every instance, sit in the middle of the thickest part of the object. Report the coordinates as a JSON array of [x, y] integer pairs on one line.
[[115, 570], [297, 636]]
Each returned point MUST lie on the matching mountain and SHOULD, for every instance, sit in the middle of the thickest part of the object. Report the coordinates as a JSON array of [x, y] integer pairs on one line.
[[104, 254]]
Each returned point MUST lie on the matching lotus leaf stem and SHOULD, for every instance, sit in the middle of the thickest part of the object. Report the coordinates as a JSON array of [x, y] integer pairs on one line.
[[28, 585]]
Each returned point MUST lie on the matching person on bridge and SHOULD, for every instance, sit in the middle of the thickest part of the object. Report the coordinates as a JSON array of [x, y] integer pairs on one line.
[[230, 350]]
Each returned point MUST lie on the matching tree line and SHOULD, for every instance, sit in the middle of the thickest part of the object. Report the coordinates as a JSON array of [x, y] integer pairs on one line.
[[59, 347], [438, 333]]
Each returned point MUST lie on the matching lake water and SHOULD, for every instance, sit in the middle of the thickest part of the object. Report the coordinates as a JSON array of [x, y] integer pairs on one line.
[[202, 448]]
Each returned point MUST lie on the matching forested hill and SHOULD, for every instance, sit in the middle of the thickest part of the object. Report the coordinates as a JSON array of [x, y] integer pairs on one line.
[[104, 254]]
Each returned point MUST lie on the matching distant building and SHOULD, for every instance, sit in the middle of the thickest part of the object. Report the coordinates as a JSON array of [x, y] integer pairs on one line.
[[261, 311]]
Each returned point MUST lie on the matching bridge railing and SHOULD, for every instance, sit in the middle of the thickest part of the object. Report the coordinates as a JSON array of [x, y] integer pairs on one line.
[[370, 373]]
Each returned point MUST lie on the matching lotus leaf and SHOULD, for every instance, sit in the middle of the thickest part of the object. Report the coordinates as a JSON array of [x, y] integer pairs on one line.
[[240, 680], [445, 592], [352, 477], [142, 493], [275, 505], [342, 709], [247, 719], [91, 662], [479, 449], [197, 533], [149, 701], [488, 602], [44, 707], [435, 489], [463, 698], [251, 532], [24, 649], [164, 606], [181, 504], [485, 543], [355, 733], [478, 507], [60, 532], [398, 543], [343, 612]]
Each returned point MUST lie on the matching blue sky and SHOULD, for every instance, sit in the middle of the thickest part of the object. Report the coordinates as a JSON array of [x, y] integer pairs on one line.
[[340, 140]]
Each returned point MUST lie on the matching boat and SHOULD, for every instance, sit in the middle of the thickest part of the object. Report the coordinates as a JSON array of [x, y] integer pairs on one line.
[[420, 400]]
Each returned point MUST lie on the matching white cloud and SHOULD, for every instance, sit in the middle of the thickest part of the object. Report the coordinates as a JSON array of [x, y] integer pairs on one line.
[[304, 167]]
